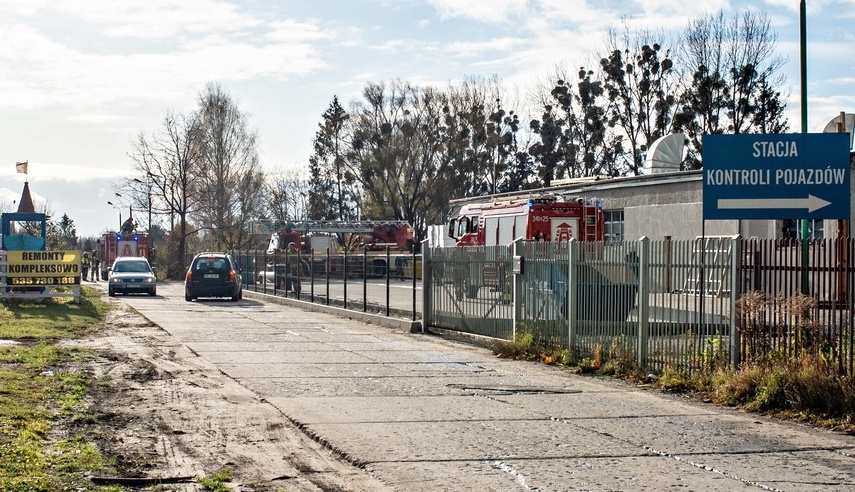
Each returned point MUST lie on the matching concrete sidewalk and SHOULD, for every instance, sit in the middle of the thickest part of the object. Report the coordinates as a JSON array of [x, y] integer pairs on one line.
[[423, 413]]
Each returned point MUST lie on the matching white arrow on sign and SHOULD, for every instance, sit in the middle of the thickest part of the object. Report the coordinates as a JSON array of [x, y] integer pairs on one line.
[[811, 203]]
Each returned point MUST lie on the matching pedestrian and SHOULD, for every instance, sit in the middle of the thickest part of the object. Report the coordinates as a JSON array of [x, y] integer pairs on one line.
[[96, 265], [128, 227], [84, 266]]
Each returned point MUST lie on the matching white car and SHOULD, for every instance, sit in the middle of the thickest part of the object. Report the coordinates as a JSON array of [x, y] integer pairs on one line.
[[131, 274]]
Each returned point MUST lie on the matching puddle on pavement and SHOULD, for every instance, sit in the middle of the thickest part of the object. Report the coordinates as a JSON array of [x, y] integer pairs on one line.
[[513, 390]]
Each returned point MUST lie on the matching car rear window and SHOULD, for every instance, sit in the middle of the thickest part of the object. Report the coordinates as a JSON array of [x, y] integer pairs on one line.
[[213, 264]]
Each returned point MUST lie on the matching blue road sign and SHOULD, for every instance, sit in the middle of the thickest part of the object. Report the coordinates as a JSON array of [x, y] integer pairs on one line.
[[782, 176]]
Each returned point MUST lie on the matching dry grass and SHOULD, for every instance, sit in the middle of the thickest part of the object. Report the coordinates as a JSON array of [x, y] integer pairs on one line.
[[807, 386], [807, 389], [614, 360]]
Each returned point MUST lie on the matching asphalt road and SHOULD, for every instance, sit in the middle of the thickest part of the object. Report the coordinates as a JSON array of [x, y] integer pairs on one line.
[[423, 413], [400, 292]]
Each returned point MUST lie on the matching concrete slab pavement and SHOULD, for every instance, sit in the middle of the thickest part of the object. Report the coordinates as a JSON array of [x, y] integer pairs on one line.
[[423, 413]]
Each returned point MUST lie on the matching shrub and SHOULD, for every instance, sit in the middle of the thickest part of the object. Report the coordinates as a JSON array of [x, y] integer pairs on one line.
[[805, 385]]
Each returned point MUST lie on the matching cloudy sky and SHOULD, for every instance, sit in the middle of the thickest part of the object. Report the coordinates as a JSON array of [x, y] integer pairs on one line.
[[79, 79]]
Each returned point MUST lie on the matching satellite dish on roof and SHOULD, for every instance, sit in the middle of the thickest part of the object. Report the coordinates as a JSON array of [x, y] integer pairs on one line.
[[666, 154], [848, 123]]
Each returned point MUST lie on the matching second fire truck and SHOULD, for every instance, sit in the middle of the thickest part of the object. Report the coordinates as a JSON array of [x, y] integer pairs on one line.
[[537, 217], [540, 217], [319, 236]]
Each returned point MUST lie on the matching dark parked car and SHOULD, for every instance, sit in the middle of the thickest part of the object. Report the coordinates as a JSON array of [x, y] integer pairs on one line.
[[213, 275], [131, 274]]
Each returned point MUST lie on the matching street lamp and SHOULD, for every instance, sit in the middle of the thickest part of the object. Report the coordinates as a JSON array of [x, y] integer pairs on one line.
[[130, 209], [119, 209], [151, 240]]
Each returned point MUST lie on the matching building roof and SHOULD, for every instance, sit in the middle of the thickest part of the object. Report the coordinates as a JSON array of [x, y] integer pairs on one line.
[[26, 203], [590, 186]]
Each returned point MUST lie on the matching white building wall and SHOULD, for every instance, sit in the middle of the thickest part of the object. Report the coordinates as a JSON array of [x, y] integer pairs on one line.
[[677, 220]]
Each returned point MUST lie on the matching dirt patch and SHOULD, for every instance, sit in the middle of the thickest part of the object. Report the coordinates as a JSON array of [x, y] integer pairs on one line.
[[166, 414]]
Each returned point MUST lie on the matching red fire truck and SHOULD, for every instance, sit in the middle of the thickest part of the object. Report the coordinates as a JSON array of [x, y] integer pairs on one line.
[[114, 245], [317, 236], [370, 235], [540, 217], [537, 217]]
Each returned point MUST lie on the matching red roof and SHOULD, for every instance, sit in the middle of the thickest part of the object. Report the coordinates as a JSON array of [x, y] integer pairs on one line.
[[26, 203]]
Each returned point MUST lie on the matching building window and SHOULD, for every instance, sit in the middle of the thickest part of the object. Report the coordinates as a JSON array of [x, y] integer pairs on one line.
[[792, 229], [613, 226]]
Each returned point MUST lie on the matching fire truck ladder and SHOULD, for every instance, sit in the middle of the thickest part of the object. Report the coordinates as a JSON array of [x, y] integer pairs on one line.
[[329, 226], [590, 224]]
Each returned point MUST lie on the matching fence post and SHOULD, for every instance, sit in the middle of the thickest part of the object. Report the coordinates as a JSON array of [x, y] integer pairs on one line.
[[344, 276], [735, 276], [414, 283], [299, 290], [572, 297], [274, 273], [516, 248], [312, 275], [427, 277], [643, 300], [388, 281], [327, 267], [365, 282]]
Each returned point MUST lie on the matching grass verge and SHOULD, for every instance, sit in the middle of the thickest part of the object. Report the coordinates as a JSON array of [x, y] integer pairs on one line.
[[39, 389]]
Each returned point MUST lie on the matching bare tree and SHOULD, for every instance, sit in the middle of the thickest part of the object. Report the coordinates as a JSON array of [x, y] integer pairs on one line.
[[575, 137], [377, 149], [228, 174], [403, 154], [167, 160], [730, 77], [286, 195], [641, 86], [752, 64]]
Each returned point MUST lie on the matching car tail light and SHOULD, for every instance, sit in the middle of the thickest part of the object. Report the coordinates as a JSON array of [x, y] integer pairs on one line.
[[232, 276], [187, 278]]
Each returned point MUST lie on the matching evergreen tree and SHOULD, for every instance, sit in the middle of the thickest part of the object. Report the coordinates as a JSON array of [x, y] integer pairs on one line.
[[331, 193], [67, 233]]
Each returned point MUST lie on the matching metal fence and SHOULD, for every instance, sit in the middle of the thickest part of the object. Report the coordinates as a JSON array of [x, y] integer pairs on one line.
[[798, 298], [683, 304], [470, 289], [688, 304], [379, 282], [648, 299]]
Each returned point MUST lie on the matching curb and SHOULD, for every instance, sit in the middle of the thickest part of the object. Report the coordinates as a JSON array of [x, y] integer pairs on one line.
[[375, 319]]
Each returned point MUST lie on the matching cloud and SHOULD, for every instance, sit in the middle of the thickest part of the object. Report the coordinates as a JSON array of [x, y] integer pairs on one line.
[[44, 172], [158, 19], [845, 81], [479, 48], [490, 11], [7, 197], [841, 7], [146, 51]]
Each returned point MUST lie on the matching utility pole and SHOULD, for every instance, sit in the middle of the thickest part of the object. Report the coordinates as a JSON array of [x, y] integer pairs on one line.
[[148, 228], [803, 59]]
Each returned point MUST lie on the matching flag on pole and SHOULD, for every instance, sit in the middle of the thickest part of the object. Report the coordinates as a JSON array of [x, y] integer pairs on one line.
[[21, 167]]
